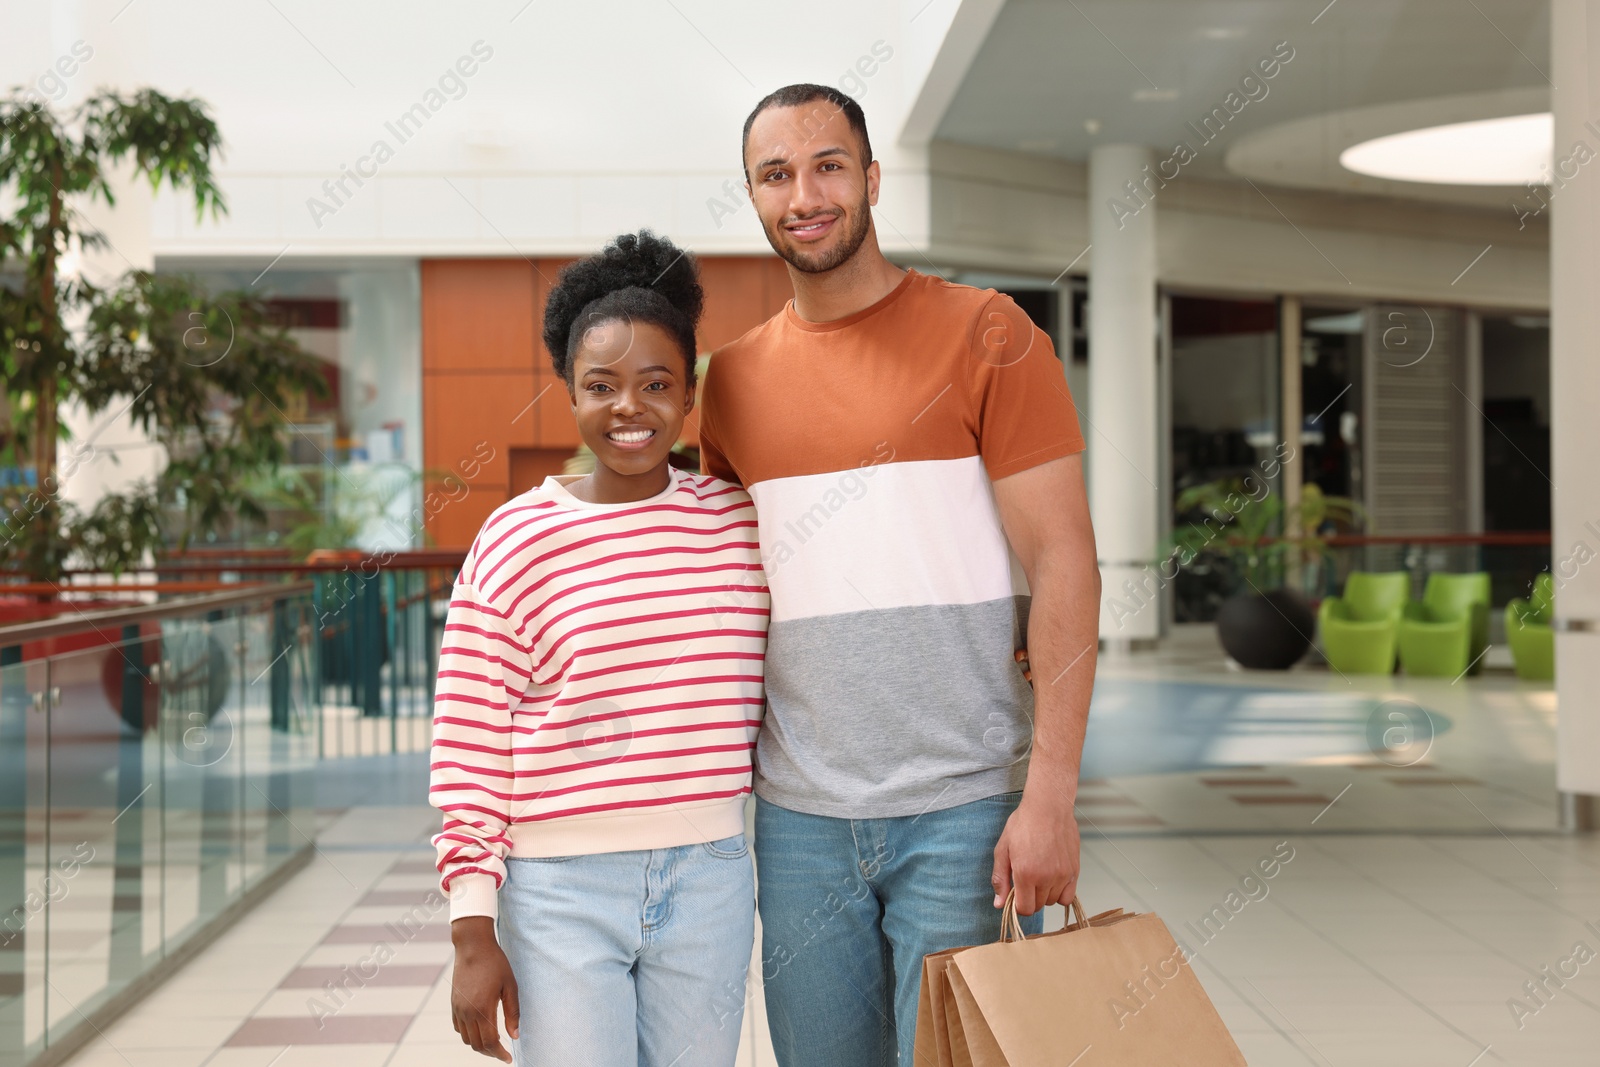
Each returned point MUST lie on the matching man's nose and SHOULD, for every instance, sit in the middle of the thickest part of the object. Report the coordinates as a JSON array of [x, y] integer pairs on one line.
[[805, 196]]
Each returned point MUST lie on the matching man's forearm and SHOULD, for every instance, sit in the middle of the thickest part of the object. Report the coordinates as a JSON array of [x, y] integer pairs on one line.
[[1063, 644]]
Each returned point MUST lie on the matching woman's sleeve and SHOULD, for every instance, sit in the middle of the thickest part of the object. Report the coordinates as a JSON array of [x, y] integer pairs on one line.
[[484, 669]]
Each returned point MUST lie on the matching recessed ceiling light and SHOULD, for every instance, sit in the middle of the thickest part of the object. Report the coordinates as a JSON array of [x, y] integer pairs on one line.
[[1221, 33], [1147, 95], [1091, 126], [1505, 151]]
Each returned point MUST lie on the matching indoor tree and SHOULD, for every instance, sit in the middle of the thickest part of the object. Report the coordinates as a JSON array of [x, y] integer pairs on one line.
[[207, 376]]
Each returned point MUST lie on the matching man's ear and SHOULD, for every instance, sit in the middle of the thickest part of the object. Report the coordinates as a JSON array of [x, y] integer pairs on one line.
[[873, 174]]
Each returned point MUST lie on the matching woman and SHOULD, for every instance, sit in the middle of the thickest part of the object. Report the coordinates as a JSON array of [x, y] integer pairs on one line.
[[598, 698]]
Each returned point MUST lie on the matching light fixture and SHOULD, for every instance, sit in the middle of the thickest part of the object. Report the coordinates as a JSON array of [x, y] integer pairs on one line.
[[1507, 151]]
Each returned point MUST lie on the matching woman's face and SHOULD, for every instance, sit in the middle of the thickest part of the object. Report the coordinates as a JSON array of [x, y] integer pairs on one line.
[[630, 394]]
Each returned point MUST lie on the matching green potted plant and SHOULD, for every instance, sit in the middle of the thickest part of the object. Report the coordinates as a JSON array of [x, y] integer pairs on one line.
[[1265, 625], [207, 376]]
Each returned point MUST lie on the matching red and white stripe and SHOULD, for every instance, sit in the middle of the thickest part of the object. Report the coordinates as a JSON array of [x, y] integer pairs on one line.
[[600, 681]]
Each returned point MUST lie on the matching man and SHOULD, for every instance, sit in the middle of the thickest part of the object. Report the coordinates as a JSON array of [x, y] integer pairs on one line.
[[897, 434]]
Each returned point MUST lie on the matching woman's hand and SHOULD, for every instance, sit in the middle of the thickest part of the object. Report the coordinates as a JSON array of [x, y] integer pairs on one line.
[[1021, 656], [481, 983]]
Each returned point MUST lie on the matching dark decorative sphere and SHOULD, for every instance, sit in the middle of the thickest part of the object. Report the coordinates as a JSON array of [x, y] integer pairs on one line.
[[1266, 631]]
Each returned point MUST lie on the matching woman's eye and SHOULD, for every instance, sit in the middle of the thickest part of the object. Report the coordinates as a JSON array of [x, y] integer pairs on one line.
[[657, 386]]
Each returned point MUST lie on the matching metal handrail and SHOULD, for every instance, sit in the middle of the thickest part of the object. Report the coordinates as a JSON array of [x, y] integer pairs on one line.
[[409, 560], [116, 617]]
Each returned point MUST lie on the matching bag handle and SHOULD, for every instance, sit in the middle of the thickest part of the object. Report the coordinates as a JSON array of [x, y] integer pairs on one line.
[[1011, 925]]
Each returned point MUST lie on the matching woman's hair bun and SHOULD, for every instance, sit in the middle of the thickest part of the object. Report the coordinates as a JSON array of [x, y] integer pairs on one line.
[[637, 277]]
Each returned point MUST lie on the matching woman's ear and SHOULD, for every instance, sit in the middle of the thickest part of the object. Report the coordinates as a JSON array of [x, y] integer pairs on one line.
[[688, 399]]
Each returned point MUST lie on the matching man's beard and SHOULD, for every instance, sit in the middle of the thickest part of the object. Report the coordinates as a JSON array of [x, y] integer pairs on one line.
[[823, 262]]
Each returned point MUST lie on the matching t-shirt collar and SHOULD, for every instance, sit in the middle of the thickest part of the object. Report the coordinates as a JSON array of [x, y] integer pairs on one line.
[[793, 318], [555, 485]]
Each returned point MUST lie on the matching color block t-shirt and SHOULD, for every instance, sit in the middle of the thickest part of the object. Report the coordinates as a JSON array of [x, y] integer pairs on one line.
[[869, 445]]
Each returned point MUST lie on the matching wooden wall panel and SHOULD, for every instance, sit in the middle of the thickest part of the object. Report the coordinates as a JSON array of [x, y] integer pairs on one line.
[[487, 378], [478, 314], [475, 413], [457, 521]]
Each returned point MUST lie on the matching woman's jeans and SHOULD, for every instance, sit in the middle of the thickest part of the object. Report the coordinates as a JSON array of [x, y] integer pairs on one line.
[[631, 959]]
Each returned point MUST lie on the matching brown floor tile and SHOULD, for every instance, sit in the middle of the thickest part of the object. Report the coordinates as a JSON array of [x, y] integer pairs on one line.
[[363, 934], [390, 975], [1230, 783], [1281, 798], [402, 897], [331, 1030]]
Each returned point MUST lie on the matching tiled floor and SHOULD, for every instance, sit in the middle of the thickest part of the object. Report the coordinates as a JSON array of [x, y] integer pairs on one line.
[[1426, 889]]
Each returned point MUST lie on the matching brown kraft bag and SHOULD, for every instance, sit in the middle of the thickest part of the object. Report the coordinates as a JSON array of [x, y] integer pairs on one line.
[[1114, 990]]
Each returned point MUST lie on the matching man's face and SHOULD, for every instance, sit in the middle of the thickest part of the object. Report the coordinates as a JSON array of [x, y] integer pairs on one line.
[[811, 188]]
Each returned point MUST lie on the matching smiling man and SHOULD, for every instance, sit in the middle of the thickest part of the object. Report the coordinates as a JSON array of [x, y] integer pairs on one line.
[[904, 440]]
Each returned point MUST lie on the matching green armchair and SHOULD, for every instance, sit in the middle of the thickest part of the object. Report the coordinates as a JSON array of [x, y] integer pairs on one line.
[[1444, 634], [1360, 628], [1533, 642]]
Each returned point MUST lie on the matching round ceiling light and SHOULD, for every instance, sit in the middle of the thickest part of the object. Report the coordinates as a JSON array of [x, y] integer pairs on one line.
[[1506, 151]]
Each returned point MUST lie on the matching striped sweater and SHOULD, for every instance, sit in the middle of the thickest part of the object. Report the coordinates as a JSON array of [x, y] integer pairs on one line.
[[600, 680]]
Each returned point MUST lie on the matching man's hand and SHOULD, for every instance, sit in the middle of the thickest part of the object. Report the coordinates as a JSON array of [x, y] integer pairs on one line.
[[482, 982], [1038, 854]]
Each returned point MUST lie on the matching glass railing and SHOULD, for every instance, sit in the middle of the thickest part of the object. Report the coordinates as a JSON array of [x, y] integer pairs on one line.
[[155, 777]]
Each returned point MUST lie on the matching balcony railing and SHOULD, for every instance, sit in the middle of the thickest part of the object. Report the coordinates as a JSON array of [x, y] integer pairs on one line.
[[157, 756]]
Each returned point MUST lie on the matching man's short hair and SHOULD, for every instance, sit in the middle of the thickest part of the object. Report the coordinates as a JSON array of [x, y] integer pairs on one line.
[[806, 93]]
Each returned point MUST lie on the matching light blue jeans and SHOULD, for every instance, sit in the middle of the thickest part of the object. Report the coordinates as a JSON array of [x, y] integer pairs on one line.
[[848, 909], [631, 959]]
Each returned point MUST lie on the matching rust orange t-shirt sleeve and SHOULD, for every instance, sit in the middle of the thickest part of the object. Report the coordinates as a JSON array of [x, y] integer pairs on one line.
[[1024, 410], [713, 460]]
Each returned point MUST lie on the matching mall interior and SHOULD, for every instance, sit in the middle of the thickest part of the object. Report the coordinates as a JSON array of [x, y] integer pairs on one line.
[[1320, 277]]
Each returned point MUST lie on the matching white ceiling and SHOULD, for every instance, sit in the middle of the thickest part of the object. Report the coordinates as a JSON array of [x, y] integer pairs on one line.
[[1142, 68]]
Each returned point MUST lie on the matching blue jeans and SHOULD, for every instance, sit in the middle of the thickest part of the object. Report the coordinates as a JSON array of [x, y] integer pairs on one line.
[[848, 909], [631, 959]]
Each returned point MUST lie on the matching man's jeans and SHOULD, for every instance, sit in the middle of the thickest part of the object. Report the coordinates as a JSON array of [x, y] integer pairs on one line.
[[848, 909], [631, 958]]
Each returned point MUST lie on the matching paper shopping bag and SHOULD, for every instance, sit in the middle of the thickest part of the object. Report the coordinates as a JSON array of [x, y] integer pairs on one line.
[[1113, 990]]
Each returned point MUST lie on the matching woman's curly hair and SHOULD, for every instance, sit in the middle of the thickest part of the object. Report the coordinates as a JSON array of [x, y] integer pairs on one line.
[[639, 277]]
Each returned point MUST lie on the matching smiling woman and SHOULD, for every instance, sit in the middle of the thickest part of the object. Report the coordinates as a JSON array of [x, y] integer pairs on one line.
[[599, 693]]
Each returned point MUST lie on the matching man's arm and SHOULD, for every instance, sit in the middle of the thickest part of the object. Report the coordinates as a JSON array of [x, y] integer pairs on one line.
[[1045, 512]]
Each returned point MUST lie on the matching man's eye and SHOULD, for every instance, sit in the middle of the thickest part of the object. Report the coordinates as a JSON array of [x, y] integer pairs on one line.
[[777, 175]]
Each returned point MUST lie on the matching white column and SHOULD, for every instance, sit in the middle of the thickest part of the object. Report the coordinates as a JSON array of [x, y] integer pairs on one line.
[[1574, 387], [1124, 435], [127, 229]]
